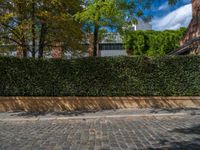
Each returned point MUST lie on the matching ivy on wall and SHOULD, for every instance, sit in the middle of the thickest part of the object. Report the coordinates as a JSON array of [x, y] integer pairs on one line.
[[152, 43]]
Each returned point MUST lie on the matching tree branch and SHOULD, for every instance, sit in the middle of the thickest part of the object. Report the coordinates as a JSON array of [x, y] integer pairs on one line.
[[12, 29], [11, 39]]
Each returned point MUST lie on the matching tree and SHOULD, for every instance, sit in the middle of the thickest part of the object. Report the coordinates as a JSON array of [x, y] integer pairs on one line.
[[117, 14], [13, 23], [38, 25], [109, 13]]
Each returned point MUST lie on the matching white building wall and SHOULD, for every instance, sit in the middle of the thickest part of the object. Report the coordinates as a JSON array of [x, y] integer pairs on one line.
[[105, 53], [143, 26]]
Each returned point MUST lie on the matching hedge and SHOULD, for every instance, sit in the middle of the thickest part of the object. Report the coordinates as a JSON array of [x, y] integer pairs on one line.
[[152, 43], [112, 76]]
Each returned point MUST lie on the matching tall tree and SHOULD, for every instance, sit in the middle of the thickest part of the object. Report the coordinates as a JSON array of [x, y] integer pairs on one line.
[[14, 23], [117, 14], [33, 19], [36, 25]]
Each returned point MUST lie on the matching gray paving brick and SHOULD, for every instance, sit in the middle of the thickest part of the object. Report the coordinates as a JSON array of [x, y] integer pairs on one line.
[[103, 134]]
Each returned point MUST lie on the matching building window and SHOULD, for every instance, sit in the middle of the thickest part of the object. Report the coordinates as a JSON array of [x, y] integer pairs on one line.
[[109, 46]]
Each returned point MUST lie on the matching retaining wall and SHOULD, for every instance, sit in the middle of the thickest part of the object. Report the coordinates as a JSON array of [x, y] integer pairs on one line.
[[93, 103]]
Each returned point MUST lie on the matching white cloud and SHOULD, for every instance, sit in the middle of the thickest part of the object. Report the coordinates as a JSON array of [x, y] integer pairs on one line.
[[181, 17], [164, 6]]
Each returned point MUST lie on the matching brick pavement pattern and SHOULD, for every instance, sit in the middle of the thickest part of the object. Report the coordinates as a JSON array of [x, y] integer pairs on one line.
[[131, 133]]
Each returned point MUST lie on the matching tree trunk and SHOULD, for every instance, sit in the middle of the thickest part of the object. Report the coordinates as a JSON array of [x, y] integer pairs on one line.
[[43, 33], [193, 30], [24, 47], [21, 51], [33, 31], [24, 52], [95, 42]]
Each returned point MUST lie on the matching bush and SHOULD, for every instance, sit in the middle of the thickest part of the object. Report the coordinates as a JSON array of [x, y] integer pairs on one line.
[[123, 76], [152, 43]]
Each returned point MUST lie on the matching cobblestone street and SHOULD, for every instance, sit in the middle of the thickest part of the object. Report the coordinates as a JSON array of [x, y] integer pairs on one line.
[[180, 132]]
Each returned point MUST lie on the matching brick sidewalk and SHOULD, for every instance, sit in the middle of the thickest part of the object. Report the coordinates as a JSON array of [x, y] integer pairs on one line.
[[175, 132]]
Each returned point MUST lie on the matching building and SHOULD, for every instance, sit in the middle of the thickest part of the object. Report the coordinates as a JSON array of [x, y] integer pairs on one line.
[[190, 43], [143, 26], [112, 45]]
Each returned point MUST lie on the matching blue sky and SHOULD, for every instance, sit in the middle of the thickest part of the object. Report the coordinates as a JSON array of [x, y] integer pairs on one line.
[[171, 17]]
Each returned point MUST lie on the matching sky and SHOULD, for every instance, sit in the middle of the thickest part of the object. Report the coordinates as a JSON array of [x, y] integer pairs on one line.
[[171, 17]]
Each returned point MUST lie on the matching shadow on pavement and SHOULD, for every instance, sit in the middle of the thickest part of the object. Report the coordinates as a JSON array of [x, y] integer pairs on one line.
[[193, 111], [190, 111], [193, 130], [37, 114], [193, 144]]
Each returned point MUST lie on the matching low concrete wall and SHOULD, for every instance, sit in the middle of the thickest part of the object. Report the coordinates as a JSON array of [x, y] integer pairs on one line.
[[93, 103]]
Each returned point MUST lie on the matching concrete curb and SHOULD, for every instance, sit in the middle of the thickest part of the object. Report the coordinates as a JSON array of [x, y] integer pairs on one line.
[[94, 117]]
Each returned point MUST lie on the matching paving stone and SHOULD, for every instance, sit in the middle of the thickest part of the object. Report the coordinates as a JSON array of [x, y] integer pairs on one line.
[[103, 134]]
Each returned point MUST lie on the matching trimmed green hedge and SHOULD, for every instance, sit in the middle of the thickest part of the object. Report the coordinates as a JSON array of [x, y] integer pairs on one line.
[[123, 76]]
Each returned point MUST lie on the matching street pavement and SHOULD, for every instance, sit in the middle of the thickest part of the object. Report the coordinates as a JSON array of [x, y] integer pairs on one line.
[[123, 130]]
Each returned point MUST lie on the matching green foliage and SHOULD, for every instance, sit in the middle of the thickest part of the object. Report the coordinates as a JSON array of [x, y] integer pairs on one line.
[[112, 12], [152, 43], [123, 76], [115, 14], [39, 25]]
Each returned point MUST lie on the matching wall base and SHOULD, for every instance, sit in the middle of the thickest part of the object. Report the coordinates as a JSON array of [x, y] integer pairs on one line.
[[51, 104]]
